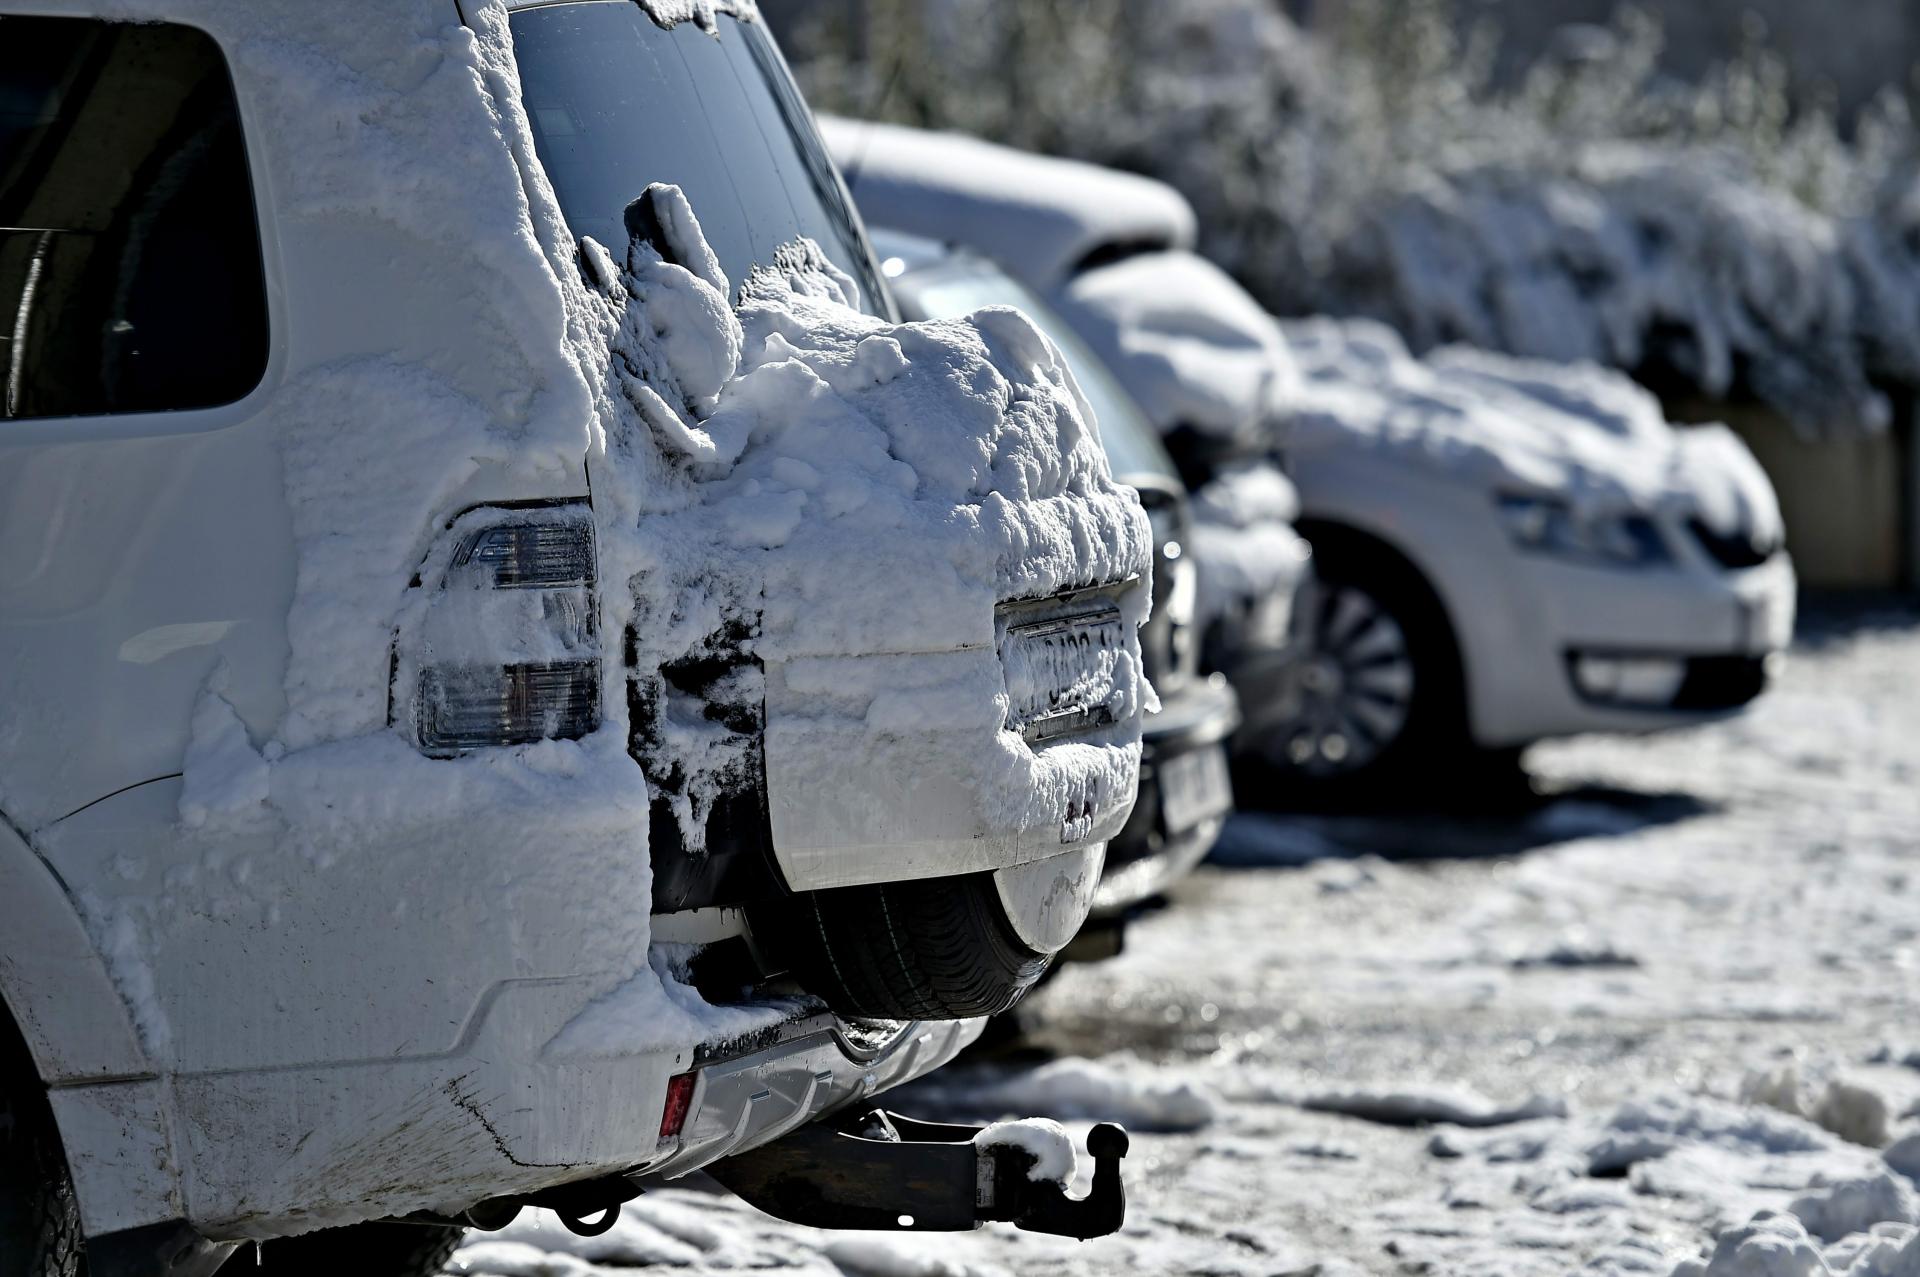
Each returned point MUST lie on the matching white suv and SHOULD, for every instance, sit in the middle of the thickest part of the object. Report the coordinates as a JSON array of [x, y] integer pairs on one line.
[[500, 696]]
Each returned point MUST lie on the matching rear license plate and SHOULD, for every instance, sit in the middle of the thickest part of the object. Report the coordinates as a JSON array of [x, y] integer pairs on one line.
[[1194, 788], [1060, 673]]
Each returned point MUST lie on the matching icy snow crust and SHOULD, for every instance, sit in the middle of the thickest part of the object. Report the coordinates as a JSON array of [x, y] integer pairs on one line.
[[816, 481], [1579, 432]]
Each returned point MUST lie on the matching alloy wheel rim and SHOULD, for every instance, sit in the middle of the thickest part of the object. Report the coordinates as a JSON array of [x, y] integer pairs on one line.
[[1350, 692]]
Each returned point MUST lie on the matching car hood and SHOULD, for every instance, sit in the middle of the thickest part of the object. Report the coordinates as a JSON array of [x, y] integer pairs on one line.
[[1579, 432]]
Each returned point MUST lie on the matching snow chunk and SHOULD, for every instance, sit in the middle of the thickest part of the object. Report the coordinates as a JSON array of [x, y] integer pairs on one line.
[[1833, 1210], [1040, 217], [1055, 1159], [1903, 1155], [704, 14], [1771, 1245]]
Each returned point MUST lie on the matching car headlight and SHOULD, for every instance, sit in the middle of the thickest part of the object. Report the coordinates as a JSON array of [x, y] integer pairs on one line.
[[1547, 525]]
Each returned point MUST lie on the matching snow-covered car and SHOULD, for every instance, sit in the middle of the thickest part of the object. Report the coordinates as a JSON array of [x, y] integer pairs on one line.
[[1110, 254], [519, 673], [1185, 789], [1503, 550]]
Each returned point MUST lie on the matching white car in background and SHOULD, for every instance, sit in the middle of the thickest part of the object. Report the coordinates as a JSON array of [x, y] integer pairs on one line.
[[1504, 551], [447, 763]]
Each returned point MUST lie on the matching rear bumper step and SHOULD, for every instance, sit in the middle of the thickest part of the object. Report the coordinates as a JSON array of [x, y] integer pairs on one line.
[[887, 1172]]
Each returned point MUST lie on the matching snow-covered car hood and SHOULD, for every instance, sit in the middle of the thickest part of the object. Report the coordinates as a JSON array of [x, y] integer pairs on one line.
[[1039, 217], [1194, 348], [1577, 431]]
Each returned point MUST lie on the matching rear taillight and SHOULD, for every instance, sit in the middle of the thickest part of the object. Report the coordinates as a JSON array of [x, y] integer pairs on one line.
[[679, 1104], [505, 649]]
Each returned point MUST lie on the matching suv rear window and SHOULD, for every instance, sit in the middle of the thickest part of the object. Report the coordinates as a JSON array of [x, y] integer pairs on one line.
[[618, 102], [130, 276]]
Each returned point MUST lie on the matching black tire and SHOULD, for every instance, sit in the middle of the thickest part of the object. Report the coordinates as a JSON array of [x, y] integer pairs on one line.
[[934, 949], [1425, 747], [362, 1250], [39, 1218]]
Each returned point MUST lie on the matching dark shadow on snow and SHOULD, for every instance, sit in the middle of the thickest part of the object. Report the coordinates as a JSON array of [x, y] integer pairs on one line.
[[1827, 618], [1506, 826]]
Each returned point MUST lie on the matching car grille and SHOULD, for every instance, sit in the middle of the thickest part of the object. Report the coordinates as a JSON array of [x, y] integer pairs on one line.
[[1740, 550]]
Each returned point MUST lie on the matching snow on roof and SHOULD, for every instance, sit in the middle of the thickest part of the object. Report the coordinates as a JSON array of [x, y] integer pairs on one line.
[[1039, 217], [1577, 431], [1194, 348], [669, 13]]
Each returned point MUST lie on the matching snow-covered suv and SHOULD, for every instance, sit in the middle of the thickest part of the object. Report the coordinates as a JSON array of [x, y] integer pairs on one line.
[[518, 674]]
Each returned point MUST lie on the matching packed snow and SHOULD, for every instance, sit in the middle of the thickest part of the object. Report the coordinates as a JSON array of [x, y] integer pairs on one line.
[[1582, 433], [1391, 1091], [1055, 1160]]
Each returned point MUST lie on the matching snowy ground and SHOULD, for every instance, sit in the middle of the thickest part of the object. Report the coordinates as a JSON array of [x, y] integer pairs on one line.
[[1592, 1038]]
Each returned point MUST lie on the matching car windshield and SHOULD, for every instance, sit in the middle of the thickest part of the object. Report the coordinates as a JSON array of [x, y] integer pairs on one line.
[[947, 291], [618, 102]]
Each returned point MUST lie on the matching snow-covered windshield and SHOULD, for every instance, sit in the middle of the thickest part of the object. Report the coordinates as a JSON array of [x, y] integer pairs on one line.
[[947, 292], [618, 102]]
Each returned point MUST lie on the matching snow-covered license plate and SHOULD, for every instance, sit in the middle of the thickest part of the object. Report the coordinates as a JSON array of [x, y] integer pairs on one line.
[[1060, 673], [1195, 788]]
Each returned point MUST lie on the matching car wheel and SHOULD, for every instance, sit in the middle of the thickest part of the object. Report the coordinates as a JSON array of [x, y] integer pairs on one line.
[[39, 1218], [935, 948], [1374, 687], [363, 1250]]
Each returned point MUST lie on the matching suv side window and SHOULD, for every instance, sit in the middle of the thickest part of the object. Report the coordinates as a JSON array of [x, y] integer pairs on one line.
[[130, 271]]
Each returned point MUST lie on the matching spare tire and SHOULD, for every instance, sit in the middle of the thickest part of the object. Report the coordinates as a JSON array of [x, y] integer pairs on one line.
[[39, 1217], [933, 948]]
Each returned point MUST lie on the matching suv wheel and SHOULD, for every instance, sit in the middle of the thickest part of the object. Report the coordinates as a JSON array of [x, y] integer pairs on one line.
[[39, 1218], [935, 948], [363, 1250]]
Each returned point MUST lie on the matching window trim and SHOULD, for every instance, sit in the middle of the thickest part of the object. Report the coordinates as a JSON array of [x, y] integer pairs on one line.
[[183, 421]]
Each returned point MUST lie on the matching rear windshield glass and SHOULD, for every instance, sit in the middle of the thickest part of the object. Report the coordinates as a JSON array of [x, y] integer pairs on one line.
[[618, 102], [130, 276], [1133, 449]]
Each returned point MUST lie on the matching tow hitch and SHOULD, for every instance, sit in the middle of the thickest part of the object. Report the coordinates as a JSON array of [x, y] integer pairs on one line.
[[885, 1171]]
